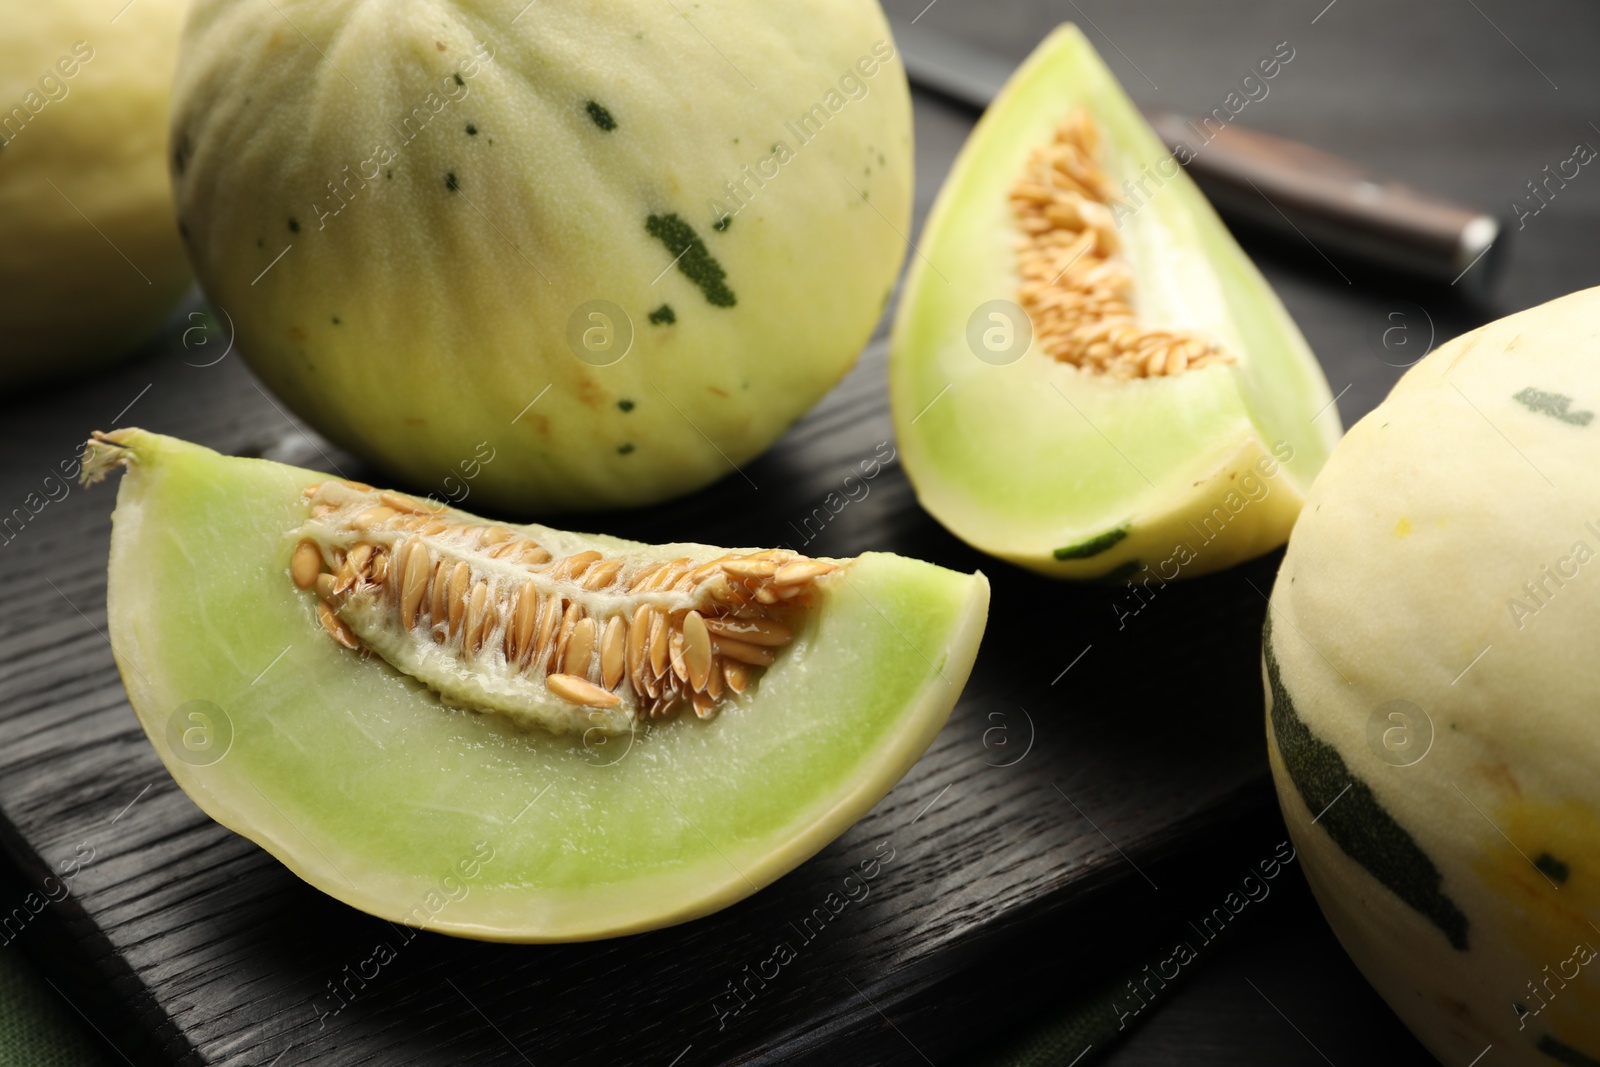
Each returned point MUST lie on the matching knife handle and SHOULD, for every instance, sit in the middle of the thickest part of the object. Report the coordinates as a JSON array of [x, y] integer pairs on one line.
[[1341, 208]]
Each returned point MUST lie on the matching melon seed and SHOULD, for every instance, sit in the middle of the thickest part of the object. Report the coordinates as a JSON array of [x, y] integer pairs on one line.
[[1077, 288], [578, 691], [587, 629], [613, 651], [305, 564]]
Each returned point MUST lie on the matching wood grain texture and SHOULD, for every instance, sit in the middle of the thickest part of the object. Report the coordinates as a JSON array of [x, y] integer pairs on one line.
[[234, 958], [188, 944]]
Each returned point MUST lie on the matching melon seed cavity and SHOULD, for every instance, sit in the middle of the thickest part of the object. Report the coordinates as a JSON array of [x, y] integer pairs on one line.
[[445, 600], [1077, 287]]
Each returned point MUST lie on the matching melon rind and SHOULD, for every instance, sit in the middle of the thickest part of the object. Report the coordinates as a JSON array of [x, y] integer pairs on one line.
[[365, 785], [90, 258], [1025, 459], [1401, 583], [412, 289]]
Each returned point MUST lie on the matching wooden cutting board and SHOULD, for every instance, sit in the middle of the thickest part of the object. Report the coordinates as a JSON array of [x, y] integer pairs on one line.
[[1097, 743], [1079, 754]]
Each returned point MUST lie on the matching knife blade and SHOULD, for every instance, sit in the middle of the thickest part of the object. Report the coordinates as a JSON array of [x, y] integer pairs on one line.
[[1269, 182]]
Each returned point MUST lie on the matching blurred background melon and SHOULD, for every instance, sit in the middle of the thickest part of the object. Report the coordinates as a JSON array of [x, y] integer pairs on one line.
[[90, 256]]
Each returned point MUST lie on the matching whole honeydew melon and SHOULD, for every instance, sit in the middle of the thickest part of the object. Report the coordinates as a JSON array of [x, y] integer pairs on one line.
[[90, 260], [393, 697], [1433, 676], [625, 244]]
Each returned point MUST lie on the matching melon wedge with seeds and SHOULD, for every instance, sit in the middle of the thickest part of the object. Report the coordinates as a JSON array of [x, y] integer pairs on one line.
[[448, 764], [1088, 375]]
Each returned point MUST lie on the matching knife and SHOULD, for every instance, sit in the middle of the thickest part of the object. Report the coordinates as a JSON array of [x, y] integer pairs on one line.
[[1289, 188]]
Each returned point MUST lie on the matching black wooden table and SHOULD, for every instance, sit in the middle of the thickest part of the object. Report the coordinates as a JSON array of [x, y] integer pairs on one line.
[[1471, 98], [1033, 864]]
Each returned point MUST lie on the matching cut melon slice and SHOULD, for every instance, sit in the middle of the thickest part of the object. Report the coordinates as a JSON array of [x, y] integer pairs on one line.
[[413, 776], [1087, 373]]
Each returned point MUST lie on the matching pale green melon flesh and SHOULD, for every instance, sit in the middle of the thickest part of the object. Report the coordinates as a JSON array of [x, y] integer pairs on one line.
[[1024, 459], [365, 785]]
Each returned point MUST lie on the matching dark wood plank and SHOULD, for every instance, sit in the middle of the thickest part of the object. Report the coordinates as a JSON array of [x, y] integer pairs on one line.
[[238, 954], [188, 944]]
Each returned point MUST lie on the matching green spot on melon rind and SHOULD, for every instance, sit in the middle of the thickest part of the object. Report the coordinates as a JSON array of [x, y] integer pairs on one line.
[[1556, 405], [1357, 823], [663, 315], [696, 263], [1564, 1053], [1093, 546], [1554, 868], [602, 117]]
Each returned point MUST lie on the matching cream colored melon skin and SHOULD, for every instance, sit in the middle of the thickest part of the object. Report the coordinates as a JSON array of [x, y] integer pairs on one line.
[[1402, 581], [90, 257], [403, 217]]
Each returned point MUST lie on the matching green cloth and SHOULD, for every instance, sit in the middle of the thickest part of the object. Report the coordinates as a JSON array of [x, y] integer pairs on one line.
[[37, 1027]]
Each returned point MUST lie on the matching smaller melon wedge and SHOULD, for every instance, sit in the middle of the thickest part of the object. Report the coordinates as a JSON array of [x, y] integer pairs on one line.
[[269, 658], [1087, 373]]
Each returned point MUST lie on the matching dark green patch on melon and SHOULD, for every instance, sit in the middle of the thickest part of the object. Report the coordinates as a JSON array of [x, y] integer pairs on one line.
[[1555, 405], [1564, 1053], [663, 315], [1093, 546], [602, 117], [1357, 823], [689, 251], [1556, 870]]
